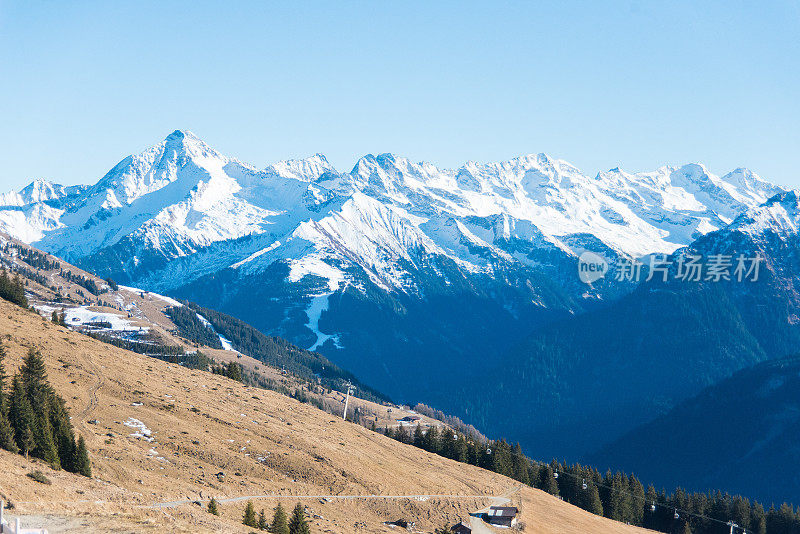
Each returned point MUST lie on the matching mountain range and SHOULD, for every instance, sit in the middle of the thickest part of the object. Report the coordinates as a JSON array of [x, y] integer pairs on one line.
[[457, 287]]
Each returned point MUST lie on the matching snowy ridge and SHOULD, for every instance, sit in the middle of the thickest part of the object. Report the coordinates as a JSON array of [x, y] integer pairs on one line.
[[181, 199]]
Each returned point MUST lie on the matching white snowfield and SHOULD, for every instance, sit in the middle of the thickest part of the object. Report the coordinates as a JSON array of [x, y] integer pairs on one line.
[[81, 316], [168, 300], [180, 196]]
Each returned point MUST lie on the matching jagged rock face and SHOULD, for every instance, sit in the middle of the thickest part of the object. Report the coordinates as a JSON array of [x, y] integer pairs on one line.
[[390, 268]]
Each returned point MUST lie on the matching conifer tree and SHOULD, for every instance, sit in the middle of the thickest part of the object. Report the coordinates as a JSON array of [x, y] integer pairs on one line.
[[21, 417], [262, 520], [448, 447], [431, 442], [461, 449], [249, 518], [636, 501], [212, 506], [54, 317], [34, 378], [280, 523], [298, 523], [234, 372], [401, 435], [44, 444], [548, 482], [591, 501], [419, 437], [3, 376], [6, 431], [519, 465], [7, 441], [618, 500], [63, 435], [83, 464]]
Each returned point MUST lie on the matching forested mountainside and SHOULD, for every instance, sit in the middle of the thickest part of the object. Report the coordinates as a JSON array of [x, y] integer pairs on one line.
[[742, 435], [588, 379]]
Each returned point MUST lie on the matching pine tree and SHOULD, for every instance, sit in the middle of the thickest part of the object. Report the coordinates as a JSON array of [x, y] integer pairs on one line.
[[401, 435], [419, 437], [548, 481], [280, 523], [519, 465], [83, 464], [637, 500], [298, 523], [619, 506], [234, 372], [462, 449], [7, 441], [63, 435], [54, 317], [262, 520], [591, 500], [21, 417], [448, 441], [431, 441], [249, 518], [33, 374], [44, 444], [212, 507], [6, 431], [3, 376]]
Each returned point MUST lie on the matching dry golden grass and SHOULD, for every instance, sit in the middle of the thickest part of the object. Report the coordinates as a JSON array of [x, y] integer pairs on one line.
[[266, 445]]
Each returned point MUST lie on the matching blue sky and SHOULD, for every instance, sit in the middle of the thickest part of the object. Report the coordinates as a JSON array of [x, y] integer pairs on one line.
[[600, 84]]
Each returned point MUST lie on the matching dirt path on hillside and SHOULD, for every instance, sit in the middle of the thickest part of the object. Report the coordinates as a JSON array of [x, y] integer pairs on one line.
[[93, 400], [173, 504]]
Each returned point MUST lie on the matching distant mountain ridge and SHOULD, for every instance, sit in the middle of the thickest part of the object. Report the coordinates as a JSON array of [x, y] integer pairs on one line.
[[411, 276], [204, 197]]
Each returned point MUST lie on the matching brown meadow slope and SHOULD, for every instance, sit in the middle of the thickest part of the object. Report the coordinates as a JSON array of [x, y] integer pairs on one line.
[[162, 436]]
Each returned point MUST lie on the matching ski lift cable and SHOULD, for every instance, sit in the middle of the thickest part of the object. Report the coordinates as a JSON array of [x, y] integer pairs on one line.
[[676, 510]]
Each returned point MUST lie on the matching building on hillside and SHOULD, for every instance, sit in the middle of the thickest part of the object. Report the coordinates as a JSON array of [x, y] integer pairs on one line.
[[501, 516], [409, 419], [461, 528]]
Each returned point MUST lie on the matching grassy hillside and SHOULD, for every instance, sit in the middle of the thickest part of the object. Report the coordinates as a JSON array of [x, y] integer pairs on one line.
[[265, 444]]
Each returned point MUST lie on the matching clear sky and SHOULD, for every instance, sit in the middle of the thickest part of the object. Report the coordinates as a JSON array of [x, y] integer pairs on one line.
[[600, 84]]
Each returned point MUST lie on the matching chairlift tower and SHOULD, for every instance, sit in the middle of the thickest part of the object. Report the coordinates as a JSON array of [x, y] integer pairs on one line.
[[350, 390]]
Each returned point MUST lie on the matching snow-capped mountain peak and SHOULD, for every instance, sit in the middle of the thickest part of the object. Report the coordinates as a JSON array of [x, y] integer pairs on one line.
[[306, 170], [180, 196], [39, 190]]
